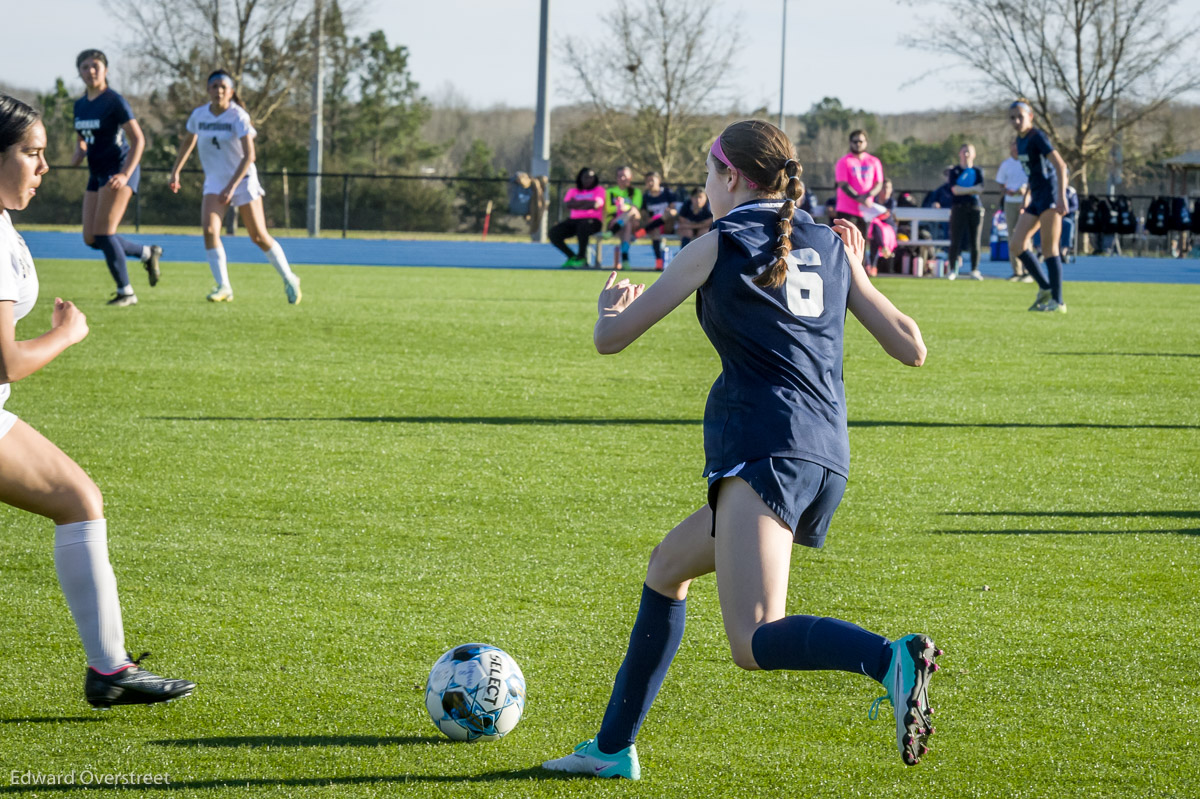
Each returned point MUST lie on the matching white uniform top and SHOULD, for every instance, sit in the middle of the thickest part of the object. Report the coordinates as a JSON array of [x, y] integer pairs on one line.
[[219, 142], [1012, 175], [18, 278]]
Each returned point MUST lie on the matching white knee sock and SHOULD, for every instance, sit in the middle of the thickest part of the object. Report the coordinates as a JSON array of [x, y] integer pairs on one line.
[[87, 580], [216, 262], [279, 261]]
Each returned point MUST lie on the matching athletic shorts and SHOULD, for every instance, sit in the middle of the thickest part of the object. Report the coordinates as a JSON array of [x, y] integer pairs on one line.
[[96, 181], [1039, 203], [802, 493], [7, 420], [247, 191]]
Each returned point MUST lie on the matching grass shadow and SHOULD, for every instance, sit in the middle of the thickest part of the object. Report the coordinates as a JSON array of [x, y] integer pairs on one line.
[[1018, 531], [1131, 354], [536, 420], [1084, 514], [51, 719], [299, 741]]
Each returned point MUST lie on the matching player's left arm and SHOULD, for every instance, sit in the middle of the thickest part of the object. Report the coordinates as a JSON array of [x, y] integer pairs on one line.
[[137, 144], [896, 333], [1060, 166], [627, 310], [248, 156]]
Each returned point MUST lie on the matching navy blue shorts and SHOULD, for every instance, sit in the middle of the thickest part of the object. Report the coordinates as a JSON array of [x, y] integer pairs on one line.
[[802, 493], [1039, 203], [96, 181]]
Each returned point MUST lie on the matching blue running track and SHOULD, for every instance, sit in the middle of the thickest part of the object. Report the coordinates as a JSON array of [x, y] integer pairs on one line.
[[520, 255]]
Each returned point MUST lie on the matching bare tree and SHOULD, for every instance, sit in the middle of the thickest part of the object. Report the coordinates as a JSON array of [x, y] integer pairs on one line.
[[650, 77], [262, 43], [1091, 69]]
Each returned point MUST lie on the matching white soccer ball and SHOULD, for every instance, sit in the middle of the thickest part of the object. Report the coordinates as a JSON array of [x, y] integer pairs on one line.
[[475, 692]]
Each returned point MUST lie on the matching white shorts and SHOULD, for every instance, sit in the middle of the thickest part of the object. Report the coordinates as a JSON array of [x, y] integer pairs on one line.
[[247, 191], [7, 420]]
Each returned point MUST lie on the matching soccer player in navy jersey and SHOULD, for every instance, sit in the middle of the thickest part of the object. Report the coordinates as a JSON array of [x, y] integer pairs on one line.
[[112, 141], [1047, 205], [772, 290]]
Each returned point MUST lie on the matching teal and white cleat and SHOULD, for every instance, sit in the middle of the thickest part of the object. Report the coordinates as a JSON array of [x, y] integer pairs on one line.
[[588, 759], [1043, 296], [292, 288], [907, 686], [221, 294], [1055, 307]]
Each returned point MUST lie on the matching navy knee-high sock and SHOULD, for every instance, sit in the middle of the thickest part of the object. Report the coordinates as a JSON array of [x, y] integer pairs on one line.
[[652, 645], [1034, 268], [815, 643], [114, 256], [1054, 270], [130, 249]]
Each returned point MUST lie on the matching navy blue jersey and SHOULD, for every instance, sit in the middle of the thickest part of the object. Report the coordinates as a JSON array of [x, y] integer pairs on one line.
[[967, 177], [658, 203], [98, 122], [1032, 150], [686, 212], [780, 391]]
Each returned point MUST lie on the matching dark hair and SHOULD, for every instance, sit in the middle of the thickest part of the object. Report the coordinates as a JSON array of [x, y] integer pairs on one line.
[[765, 155], [859, 132], [587, 170], [220, 73], [652, 174], [16, 118], [92, 53]]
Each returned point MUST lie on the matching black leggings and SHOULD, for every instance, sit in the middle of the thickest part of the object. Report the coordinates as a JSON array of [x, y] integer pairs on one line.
[[965, 222], [583, 228]]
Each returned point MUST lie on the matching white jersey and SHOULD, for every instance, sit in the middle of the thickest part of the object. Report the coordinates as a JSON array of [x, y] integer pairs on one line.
[[1012, 175], [18, 278], [219, 142]]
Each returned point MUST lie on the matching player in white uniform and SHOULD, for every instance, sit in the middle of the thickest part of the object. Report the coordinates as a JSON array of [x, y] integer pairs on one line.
[[37, 476], [222, 133]]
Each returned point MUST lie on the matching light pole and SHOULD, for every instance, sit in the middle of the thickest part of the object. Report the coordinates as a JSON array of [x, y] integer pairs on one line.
[[540, 165], [782, 59], [315, 133]]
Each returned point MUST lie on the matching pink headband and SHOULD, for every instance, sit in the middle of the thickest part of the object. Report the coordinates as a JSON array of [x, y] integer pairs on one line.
[[719, 154]]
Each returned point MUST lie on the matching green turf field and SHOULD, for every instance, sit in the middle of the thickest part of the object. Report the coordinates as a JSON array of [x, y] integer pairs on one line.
[[308, 505]]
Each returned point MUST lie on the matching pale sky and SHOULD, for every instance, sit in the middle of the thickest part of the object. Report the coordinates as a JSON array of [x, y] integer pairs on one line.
[[486, 50]]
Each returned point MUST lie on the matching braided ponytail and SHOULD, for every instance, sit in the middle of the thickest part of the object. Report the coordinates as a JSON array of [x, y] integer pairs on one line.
[[793, 190]]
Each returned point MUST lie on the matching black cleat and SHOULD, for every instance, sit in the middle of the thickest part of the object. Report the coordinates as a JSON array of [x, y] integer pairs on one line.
[[132, 686], [151, 265], [122, 300]]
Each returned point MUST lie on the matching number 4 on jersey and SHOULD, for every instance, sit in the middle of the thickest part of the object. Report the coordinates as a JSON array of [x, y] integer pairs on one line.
[[805, 289]]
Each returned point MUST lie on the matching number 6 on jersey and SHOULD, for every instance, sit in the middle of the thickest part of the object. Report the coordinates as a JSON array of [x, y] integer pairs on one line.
[[805, 290]]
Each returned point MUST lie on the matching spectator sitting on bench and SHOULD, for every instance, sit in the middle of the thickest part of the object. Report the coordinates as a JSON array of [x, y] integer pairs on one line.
[[695, 217], [621, 208], [586, 205], [658, 214]]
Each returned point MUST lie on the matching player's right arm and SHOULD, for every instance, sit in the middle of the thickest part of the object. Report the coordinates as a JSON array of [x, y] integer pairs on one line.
[[187, 142], [896, 333], [627, 310], [19, 359], [79, 153]]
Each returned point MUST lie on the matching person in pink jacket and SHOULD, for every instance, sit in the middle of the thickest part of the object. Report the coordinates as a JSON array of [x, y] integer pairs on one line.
[[586, 205], [859, 177]]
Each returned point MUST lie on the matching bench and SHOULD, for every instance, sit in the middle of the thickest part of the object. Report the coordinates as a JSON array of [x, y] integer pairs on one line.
[[916, 216]]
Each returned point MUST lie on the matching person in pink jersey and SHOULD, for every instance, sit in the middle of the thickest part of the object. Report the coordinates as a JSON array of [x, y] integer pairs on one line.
[[859, 177], [586, 204]]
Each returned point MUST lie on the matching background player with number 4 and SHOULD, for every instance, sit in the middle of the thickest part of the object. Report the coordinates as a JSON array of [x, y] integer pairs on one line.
[[222, 132], [772, 290]]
